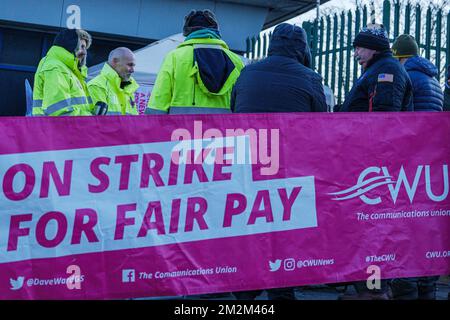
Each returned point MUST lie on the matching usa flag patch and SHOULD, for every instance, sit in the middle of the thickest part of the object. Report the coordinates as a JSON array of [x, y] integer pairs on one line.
[[385, 77]]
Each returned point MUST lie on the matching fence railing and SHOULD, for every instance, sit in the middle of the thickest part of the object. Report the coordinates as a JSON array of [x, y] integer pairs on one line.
[[331, 39]]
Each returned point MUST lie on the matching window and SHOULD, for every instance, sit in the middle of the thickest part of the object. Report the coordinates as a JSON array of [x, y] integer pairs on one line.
[[20, 47]]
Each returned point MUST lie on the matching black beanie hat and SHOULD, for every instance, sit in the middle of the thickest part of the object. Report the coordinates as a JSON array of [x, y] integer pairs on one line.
[[68, 39], [199, 19], [374, 37]]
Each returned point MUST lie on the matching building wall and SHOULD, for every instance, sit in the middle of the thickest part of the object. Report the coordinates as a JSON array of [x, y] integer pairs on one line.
[[27, 29], [150, 19]]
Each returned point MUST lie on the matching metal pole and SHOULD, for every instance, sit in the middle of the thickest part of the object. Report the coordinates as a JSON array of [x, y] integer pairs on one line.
[[318, 10], [372, 12]]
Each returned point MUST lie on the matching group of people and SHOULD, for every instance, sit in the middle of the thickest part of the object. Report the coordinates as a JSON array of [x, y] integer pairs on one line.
[[204, 76], [197, 77], [60, 87]]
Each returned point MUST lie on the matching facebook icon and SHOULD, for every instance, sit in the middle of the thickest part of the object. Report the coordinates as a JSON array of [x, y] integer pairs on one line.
[[128, 275]]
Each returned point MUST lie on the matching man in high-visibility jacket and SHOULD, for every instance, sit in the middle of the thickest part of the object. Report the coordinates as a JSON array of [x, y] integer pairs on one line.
[[114, 85], [199, 75], [59, 83]]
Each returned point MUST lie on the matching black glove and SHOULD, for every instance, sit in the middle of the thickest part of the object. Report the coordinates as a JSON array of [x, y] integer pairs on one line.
[[101, 108]]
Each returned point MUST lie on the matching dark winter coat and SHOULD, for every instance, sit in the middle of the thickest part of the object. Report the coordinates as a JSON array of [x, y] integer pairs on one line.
[[384, 86], [283, 82], [427, 93]]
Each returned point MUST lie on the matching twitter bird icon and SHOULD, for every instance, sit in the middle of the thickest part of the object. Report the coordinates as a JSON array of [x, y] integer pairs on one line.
[[274, 266], [16, 284]]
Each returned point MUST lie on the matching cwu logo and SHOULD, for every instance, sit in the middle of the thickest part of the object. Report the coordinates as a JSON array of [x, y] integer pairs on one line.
[[384, 179]]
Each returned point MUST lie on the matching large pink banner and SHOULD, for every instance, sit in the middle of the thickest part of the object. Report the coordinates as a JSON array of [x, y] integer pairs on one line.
[[121, 207]]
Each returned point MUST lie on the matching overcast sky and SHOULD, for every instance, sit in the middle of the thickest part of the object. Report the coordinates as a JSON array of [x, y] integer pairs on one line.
[[350, 4], [343, 4]]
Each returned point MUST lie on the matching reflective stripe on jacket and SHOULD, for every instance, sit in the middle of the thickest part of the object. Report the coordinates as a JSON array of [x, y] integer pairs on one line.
[[59, 86], [197, 77], [106, 87]]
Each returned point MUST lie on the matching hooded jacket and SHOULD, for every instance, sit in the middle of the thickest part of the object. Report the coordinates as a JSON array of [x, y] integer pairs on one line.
[[59, 84], [282, 82], [427, 93], [197, 77], [384, 86], [106, 87]]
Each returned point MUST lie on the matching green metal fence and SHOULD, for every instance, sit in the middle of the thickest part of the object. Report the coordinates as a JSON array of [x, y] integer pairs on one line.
[[331, 39]]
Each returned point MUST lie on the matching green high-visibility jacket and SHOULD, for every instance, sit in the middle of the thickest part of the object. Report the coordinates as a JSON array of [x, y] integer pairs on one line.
[[106, 87], [197, 77], [59, 86]]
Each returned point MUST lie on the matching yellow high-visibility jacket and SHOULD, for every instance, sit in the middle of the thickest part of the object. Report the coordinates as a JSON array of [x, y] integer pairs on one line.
[[106, 87], [59, 86], [197, 77]]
